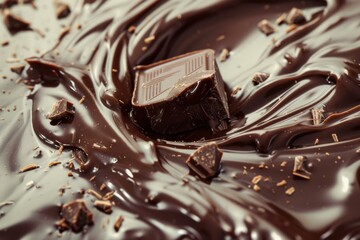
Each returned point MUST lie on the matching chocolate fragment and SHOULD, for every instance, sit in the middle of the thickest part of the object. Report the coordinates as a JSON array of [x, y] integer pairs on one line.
[[205, 161], [119, 221], [290, 191], [4, 43], [259, 78], [104, 206], [62, 10], [299, 168], [335, 137], [76, 215], [281, 19], [80, 156], [61, 110], [14, 23], [266, 27], [295, 16], [180, 94], [17, 69]]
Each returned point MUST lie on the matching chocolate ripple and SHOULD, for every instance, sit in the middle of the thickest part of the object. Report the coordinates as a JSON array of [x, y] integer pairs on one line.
[[314, 67]]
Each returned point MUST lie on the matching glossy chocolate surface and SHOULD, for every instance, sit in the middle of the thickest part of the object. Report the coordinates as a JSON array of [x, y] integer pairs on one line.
[[313, 66]]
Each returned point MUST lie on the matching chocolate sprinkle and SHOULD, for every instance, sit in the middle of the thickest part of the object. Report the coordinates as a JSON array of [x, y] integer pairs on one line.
[[104, 206]]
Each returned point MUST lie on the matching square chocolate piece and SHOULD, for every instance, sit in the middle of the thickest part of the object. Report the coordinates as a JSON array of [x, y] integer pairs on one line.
[[180, 94]]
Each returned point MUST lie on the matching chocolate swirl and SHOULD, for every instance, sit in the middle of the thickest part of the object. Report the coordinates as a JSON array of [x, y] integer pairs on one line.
[[316, 66]]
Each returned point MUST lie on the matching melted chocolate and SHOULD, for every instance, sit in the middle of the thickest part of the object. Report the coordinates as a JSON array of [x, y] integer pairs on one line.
[[313, 66]]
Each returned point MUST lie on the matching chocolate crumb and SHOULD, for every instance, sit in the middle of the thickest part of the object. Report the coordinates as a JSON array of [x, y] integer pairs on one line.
[[61, 110], [82, 100], [235, 91], [149, 39], [295, 16], [61, 149], [15, 23], [28, 168], [266, 27], [62, 10], [17, 69], [205, 161], [299, 168], [256, 179], [104, 206], [76, 215], [92, 178], [335, 137], [256, 188], [220, 38], [290, 191], [131, 29], [224, 55], [102, 187], [118, 222], [281, 183], [37, 153], [5, 43], [317, 115], [316, 141], [259, 78]]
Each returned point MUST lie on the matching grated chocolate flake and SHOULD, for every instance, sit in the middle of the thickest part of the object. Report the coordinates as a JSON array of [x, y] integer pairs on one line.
[[94, 193]]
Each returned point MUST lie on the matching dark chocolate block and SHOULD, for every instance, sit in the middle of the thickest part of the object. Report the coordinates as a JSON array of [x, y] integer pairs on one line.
[[180, 94]]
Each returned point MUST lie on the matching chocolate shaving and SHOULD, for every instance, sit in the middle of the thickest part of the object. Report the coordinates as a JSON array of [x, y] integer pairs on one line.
[[15, 23], [4, 43], [7, 203], [291, 28], [335, 137], [295, 16], [62, 10], [28, 168], [149, 39], [281, 183], [205, 161], [256, 187], [94, 193], [131, 29], [61, 110], [80, 156], [266, 27], [317, 115], [108, 196], [54, 163], [256, 179], [76, 215], [259, 78], [224, 55], [118, 222], [104, 206], [299, 168], [17, 69]]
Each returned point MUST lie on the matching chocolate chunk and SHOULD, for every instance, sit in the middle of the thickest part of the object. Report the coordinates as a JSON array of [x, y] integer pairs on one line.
[[259, 78], [295, 16], [119, 221], [205, 161], [62, 10], [299, 168], [15, 23], [61, 110], [76, 215], [266, 27], [18, 69], [180, 94], [104, 206]]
